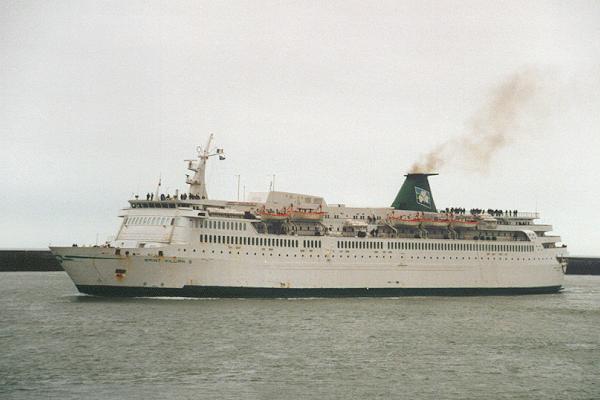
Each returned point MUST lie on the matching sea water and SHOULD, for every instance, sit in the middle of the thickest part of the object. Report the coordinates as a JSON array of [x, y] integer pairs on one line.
[[58, 344]]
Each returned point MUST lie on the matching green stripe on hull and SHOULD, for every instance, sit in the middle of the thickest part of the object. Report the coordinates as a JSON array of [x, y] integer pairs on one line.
[[88, 258], [249, 292]]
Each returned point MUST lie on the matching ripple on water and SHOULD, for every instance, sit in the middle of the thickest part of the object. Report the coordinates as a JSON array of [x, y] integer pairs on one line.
[[58, 344]]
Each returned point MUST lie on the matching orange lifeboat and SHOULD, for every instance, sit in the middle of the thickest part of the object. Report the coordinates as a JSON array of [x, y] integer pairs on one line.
[[404, 220], [273, 215], [306, 215], [436, 223], [464, 223]]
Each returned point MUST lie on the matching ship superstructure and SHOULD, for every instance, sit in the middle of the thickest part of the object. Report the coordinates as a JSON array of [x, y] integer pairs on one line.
[[281, 244]]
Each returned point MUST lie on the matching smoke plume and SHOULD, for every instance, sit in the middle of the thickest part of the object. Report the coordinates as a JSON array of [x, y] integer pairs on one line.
[[491, 129]]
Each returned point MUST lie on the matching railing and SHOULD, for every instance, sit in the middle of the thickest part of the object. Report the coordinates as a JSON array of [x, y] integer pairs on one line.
[[532, 215]]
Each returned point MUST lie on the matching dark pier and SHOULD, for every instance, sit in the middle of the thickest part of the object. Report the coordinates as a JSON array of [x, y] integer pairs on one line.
[[28, 260], [583, 266], [43, 260]]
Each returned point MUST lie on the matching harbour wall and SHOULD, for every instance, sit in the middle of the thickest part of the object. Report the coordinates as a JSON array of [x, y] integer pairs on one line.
[[28, 260], [43, 260], [583, 266]]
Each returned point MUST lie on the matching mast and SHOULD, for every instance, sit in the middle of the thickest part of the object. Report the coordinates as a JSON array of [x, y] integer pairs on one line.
[[198, 181]]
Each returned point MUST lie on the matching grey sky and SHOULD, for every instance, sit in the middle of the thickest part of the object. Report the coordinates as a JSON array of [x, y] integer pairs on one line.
[[337, 98]]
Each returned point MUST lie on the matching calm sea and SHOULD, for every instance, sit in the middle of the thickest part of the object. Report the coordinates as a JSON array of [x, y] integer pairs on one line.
[[57, 344]]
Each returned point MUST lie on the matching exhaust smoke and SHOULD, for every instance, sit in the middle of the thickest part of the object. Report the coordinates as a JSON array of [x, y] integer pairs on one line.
[[491, 129]]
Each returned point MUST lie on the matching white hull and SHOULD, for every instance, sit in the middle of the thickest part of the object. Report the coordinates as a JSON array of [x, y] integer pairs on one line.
[[306, 269]]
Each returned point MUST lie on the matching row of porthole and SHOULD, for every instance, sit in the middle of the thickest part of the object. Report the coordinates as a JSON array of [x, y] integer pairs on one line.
[[402, 257], [412, 257]]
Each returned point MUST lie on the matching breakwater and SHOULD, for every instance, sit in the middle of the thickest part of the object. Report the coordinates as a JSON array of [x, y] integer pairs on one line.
[[43, 260], [583, 266], [28, 260]]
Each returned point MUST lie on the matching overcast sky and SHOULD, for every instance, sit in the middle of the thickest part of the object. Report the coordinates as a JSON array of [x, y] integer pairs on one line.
[[339, 99]]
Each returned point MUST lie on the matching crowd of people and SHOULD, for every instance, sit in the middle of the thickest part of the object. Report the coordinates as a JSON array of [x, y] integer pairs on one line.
[[163, 197], [479, 211]]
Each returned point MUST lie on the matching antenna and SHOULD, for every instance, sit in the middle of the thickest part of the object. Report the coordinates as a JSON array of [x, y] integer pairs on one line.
[[238, 186], [272, 183], [158, 186]]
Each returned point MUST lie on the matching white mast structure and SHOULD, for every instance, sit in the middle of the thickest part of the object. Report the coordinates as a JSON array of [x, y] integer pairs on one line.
[[198, 181]]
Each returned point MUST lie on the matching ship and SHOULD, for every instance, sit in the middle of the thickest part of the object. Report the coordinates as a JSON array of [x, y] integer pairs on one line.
[[287, 245]]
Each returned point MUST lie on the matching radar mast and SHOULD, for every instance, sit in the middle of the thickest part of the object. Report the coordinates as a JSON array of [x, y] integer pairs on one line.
[[198, 181]]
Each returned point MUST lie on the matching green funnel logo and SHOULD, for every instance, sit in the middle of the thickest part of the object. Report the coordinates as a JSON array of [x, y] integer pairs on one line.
[[415, 194], [423, 197]]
